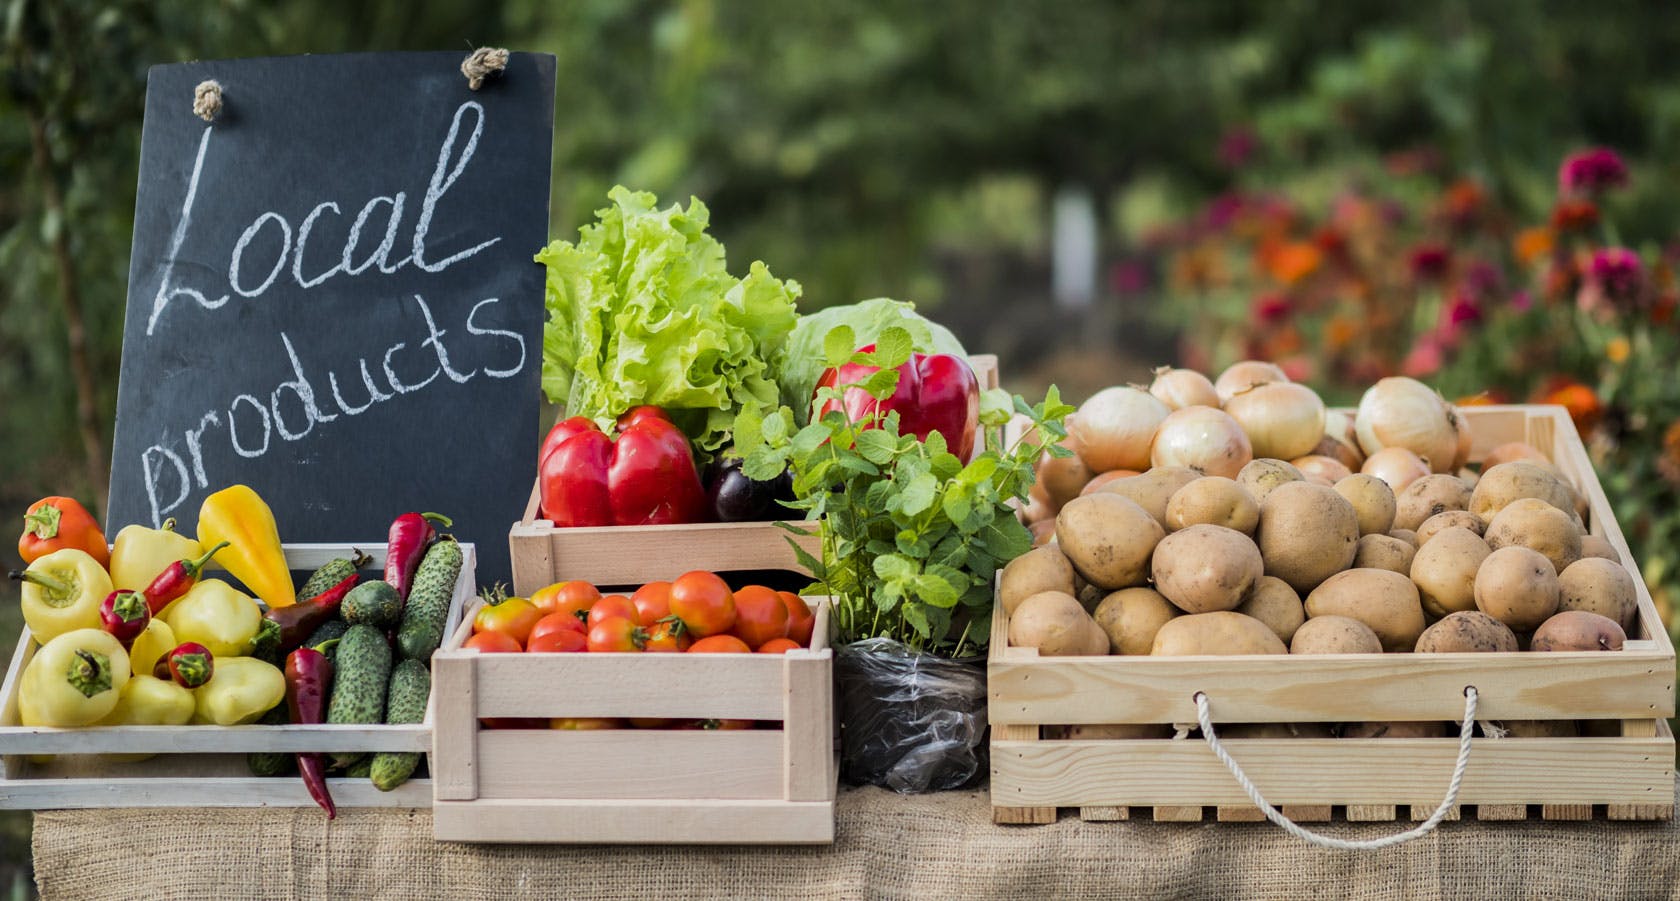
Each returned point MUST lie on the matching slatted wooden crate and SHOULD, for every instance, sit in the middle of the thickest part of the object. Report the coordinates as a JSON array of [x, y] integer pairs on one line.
[[200, 766], [1622, 767], [615, 555], [635, 786]]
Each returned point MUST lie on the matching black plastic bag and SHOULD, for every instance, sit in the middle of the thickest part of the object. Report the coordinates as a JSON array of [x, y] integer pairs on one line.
[[909, 721]]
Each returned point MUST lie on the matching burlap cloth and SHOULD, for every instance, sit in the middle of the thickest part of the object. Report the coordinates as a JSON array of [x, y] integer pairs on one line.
[[931, 846]]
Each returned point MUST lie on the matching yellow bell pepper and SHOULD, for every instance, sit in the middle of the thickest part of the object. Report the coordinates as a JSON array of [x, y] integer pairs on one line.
[[73, 680], [140, 554], [149, 648], [62, 592], [240, 692], [148, 701], [216, 615], [238, 516]]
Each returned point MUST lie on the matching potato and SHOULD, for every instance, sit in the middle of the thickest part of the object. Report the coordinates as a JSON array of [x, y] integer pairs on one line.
[[1221, 632], [1117, 731], [1535, 524], [1465, 632], [1274, 603], [1385, 601], [1425, 729], [1273, 730], [1373, 501], [1038, 570], [1259, 477], [1444, 571], [1507, 482], [1578, 630], [1153, 489], [1429, 496], [1515, 450], [1452, 519], [1130, 618], [1100, 480], [1383, 552], [1408, 536], [1469, 477], [1063, 477], [1334, 635], [1307, 533], [1108, 539], [1043, 533], [1517, 586], [1599, 586], [1599, 546], [1055, 624], [1214, 500], [1205, 568]]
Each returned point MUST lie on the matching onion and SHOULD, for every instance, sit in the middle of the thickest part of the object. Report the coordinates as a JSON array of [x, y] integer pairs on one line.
[[1098, 481], [1245, 375], [1113, 429], [1322, 469], [1284, 420], [1397, 466], [1204, 439], [1515, 450], [1462, 428], [1403, 412], [1339, 442], [1180, 388]]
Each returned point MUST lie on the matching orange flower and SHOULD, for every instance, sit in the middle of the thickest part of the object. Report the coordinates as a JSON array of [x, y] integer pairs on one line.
[[1463, 201], [1340, 332], [1617, 350], [1289, 262], [1582, 403], [1534, 243], [1668, 463]]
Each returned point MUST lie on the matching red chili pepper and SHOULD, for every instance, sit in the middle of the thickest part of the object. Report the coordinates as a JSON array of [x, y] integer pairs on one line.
[[190, 664], [177, 580], [410, 535], [125, 615], [309, 675], [644, 476], [935, 393], [300, 621]]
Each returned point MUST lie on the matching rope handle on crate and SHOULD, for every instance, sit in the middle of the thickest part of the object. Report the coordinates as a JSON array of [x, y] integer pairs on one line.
[[1325, 841]]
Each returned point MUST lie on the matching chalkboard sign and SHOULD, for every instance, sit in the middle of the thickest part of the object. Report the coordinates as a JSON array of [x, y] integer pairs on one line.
[[332, 297]]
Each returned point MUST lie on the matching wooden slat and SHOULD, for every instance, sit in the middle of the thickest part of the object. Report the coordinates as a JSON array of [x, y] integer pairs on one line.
[[176, 780], [1105, 814], [642, 822], [1663, 809], [515, 764], [213, 739], [1566, 811], [455, 731], [807, 728], [702, 686], [1371, 813], [1004, 812], [632, 555], [1501, 812], [1421, 812], [1239, 814], [1177, 813], [1307, 813], [1332, 771]]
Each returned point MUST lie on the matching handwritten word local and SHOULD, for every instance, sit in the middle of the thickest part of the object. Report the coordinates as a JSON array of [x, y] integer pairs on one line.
[[161, 461]]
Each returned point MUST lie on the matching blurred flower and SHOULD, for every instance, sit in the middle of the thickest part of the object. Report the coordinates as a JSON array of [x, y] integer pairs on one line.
[[1430, 262], [1591, 171], [1668, 462], [1223, 210], [1574, 215], [1237, 146], [1288, 262], [1425, 358], [1415, 161], [1463, 311], [1331, 242], [1482, 279], [1269, 309], [1340, 332], [1483, 399], [1562, 278], [1581, 401], [1462, 204], [1298, 368], [1617, 350], [1615, 281], [1129, 277], [1522, 301], [1533, 244], [1663, 308]]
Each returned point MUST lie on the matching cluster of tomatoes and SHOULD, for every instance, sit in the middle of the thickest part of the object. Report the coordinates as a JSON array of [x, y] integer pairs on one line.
[[696, 613]]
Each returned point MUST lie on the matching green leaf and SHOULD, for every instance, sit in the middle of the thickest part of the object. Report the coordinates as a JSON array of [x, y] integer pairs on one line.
[[893, 348], [807, 441], [912, 545], [812, 565], [881, 384], [839, 345], [877, 446], [919, 494], [957, 503], [891, 567], [979, 471], [931, 589], [774, 427], [763, 463], [917, 618], [749, 433]]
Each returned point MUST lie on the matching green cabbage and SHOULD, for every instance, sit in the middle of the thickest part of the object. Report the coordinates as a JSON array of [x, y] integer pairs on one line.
[[641, 310], [803, 365]]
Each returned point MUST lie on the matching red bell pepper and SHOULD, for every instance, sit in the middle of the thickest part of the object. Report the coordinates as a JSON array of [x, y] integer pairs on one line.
[[935, 393], [643, 475]]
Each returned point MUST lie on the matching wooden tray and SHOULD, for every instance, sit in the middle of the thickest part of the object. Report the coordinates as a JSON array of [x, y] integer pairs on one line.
[[201, 766], [1628, 774], [635, 786], [616, 555]]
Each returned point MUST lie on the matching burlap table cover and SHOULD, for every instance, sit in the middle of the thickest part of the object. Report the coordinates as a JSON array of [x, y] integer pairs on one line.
[[888, 846]]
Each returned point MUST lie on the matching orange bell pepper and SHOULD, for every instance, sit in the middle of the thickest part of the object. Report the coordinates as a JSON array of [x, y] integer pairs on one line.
[[55, 523]]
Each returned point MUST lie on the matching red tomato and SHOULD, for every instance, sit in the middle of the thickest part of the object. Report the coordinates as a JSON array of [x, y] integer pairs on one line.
[[703, 602], [760, 615], [653, 602], [616, 633], [493, 643], [574, 597], [719, 644], [613, 605], [582, 723], [800, 618], [558, 641], [778, 646], [557, 622], [667, 637], [514, 617]]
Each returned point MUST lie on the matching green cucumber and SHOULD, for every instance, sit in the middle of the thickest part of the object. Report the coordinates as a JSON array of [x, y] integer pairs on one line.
[[411, 686], [331, 629], [270, 763], [373, 603], [360, 767], [363, 667], [331, 573], [428, 601]]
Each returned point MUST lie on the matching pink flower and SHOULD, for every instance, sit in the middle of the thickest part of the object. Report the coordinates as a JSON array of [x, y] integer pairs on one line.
[[1237, 146], [1425, 359], [1297, 368], [1456, 317], [1270, 309], [1430, 262], [1522, 301], [1129, 277], [1482, 279], [1591, 171], [1615, 280]]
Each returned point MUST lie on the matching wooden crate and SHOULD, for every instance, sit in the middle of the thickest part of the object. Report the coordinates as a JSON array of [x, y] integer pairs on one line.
[[635, 786], [1628, 773], [200, 766], [616, 555]]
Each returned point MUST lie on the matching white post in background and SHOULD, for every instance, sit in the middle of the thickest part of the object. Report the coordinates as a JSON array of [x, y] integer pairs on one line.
[[1073, 248]]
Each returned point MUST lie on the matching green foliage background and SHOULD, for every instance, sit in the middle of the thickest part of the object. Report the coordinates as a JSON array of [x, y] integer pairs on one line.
[[861, 148]]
